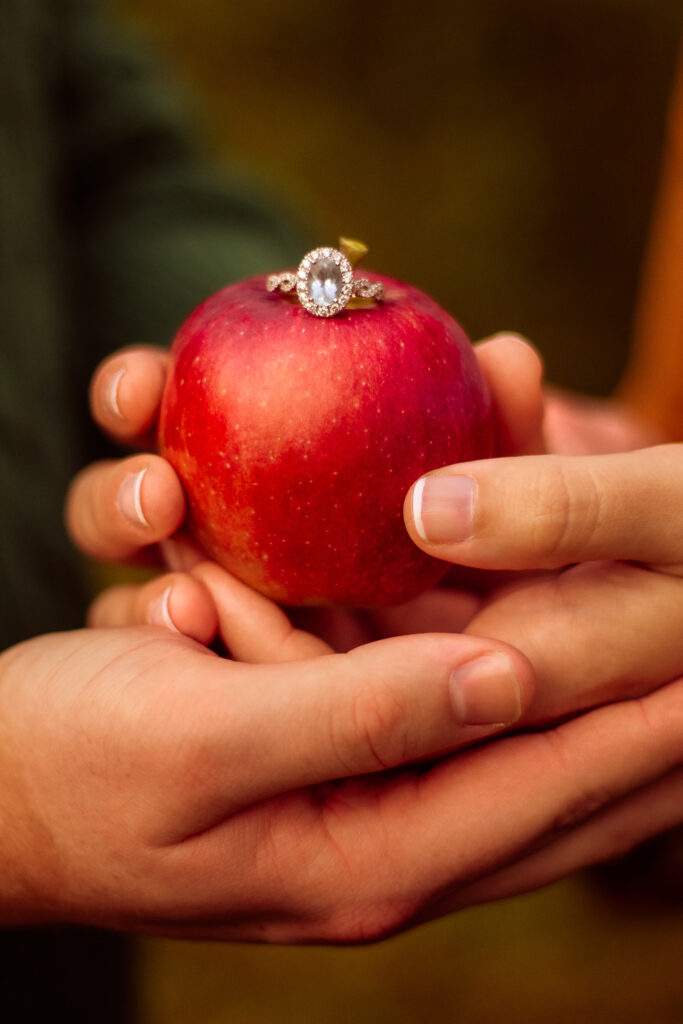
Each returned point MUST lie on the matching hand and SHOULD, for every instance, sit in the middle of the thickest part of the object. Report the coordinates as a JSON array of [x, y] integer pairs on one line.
[[613, 613], [620, 824], [148, 785], [128, 509], [571, 677], [616, 625]]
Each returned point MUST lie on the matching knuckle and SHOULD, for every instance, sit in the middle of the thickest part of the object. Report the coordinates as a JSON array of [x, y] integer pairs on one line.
[[582, 801], [570, 511], [85, 502], [374, 733], [580, 808]]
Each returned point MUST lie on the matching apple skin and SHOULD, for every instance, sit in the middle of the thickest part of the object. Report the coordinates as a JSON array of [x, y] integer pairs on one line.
[[296, 437]]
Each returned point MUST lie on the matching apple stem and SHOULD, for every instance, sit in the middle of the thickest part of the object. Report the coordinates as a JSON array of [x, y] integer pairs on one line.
[[354, 250]]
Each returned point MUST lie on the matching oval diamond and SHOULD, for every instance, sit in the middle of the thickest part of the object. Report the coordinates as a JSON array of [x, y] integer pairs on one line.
[[325, 282]]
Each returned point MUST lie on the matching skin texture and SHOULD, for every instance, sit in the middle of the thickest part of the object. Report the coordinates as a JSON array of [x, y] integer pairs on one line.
[[615, 610], [415, 844], [151, 786], [295, 478]]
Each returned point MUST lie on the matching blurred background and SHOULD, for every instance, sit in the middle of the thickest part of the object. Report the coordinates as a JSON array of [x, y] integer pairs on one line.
[[502, 156]]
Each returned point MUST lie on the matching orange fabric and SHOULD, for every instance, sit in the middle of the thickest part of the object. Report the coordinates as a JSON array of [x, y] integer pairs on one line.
[[653, 384]]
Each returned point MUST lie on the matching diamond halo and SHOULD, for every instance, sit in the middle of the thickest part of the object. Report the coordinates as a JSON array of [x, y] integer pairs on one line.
[[324, 282]]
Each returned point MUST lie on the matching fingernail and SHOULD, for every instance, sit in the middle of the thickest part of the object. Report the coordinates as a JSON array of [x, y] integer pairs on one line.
[[159, 614], [443, 508], [111, 393], [485, 691], [129, 499]]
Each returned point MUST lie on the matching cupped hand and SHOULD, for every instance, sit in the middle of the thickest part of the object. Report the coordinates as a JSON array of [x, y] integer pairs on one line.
[[598, 609], [582, 633], [498, 819], [150, 786]]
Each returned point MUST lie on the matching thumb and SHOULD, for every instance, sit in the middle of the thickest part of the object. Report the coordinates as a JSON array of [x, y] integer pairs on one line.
[[548, 511], [270, 729]]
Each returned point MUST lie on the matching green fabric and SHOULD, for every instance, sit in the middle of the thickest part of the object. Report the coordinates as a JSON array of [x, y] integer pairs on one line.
[[111, 230]]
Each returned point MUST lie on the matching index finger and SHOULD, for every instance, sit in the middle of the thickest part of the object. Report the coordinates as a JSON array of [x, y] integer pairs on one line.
[[126, 390]]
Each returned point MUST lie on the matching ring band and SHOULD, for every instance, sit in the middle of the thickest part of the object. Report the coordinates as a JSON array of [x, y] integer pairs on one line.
[[324, 283]]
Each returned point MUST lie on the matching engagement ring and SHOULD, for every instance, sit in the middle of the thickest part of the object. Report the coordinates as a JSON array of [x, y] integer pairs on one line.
[[324, 282]]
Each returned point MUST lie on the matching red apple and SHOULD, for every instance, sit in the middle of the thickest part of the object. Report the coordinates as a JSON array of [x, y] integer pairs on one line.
[[296, 437]]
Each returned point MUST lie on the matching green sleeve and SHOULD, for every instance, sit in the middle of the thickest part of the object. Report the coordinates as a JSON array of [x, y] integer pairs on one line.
[[112, 229], [156, 230]]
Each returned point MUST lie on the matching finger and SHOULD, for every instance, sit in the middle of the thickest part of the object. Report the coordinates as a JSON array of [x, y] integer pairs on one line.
[[277, 728], [115, 508], [176, 601], [252, 627], [436, 833], [549, 511], [497, 803], [598, 632], [609, 834], [514, 372], [126, 390]]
